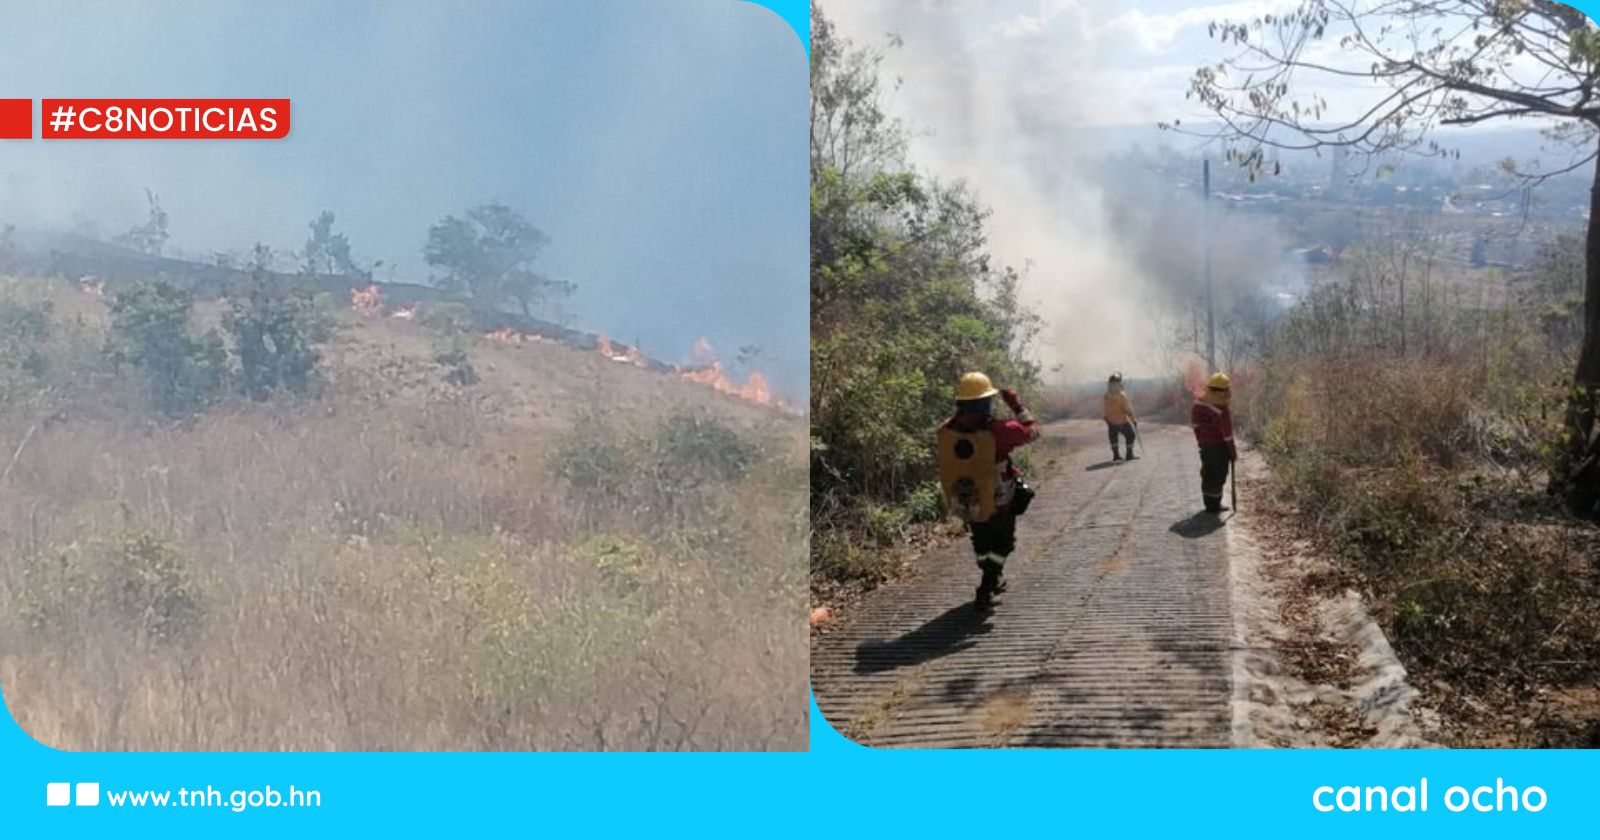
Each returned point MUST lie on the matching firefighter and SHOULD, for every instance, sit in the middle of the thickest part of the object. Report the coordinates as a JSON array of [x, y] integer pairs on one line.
[[1213, 430], [1118, 412], [981, 484]]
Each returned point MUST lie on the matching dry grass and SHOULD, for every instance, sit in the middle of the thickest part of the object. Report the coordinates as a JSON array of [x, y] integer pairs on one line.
[[1375, 411], [1425, 477], [397, 565], [1003, 713]]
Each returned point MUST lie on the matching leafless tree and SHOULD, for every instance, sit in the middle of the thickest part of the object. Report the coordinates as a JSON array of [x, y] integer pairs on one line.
[[1416, 65]]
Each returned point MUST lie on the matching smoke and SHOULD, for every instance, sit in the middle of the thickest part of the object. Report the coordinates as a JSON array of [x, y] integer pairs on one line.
[[1042, 128]]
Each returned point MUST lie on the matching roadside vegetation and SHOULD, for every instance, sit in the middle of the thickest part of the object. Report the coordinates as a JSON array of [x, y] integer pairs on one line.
[[1443, 443], [1425, 471], [905, 296]]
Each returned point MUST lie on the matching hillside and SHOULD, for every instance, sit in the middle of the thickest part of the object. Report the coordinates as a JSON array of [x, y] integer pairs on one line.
[[450, 540]]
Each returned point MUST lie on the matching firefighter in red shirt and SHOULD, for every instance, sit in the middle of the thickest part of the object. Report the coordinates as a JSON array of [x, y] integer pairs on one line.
[[981, 484], [1213, 430]]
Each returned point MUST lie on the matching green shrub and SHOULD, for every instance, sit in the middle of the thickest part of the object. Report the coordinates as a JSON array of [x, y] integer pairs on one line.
[[699, 450], [926, 502], [150, 331], [276, 329], [147, 582], [140, 581], [836, 557], [668, 474], [451, 355], [886, 525], [24, 329], [594, 462]]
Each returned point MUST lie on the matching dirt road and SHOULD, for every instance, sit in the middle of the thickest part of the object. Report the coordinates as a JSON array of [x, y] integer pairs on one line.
[[1115, 631]]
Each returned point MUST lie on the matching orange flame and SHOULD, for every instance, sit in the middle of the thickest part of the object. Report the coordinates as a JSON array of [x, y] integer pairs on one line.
[[367, 300], [708, 370], [754, 389], [622, 353], [711, 372], [1194, 378]]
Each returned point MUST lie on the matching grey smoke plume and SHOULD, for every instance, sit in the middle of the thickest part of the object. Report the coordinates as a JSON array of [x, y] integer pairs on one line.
[[1111, 246]]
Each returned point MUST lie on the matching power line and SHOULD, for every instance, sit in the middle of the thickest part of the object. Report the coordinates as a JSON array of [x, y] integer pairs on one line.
[[1205, 239]]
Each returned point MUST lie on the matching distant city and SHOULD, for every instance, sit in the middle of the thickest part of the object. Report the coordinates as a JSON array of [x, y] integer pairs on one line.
[[1485, 216]]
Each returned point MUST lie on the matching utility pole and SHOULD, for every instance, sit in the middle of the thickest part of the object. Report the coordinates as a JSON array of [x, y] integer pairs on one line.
[[1205, 240]]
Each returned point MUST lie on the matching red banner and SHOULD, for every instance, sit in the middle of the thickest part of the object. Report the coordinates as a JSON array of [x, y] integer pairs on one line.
[[164, 119], [16, 119]]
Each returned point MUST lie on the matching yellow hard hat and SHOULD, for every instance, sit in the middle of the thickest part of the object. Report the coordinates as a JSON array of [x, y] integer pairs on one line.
[[1218, 381], [975, 386]]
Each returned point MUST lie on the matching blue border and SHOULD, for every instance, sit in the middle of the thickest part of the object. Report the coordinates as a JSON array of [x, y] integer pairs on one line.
[[1193, 792], [1187, 793], [796, 13]]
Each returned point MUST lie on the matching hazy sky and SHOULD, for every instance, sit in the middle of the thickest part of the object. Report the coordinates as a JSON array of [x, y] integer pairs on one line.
[[660, 145], [1011, 95], [1089, 62], [1022, 99]]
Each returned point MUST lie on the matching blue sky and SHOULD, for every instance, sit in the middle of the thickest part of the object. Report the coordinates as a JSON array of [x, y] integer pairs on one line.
[[660, 145]]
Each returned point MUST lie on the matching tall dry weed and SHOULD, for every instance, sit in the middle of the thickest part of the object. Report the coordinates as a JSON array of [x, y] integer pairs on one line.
[[398, 565]]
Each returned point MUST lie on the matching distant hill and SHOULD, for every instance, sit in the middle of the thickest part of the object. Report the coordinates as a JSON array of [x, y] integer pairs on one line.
[[1483, 146], [107, 266]]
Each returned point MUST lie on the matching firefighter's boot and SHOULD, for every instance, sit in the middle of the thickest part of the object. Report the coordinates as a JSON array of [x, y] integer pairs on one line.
[[993, 584]]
